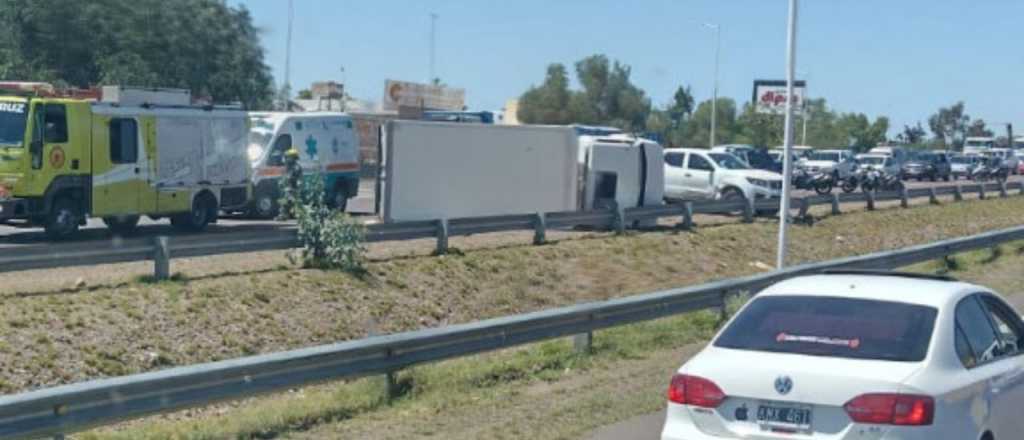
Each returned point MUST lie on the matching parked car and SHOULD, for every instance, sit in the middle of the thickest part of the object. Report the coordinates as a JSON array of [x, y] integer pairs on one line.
[[928, 165], [960, 165], [755, 157], [839, 163], [883, 163], [857, 355], [694, 174]]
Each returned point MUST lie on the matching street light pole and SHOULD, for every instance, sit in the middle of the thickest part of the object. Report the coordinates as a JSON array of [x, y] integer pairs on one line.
[[433, 45], [288, 60], [787, 169], [714, 96]]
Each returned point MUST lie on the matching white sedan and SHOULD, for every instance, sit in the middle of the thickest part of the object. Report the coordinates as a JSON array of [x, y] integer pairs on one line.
[[858, 355]]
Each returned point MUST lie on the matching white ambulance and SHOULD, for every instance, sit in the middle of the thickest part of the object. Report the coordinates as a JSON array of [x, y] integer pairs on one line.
[[328, 146]]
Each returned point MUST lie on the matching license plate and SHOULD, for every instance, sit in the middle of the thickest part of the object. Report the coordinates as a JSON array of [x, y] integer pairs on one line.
[[780, 415]]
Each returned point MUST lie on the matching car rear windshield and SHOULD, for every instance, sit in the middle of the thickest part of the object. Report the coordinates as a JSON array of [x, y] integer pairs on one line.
[[831, 326]]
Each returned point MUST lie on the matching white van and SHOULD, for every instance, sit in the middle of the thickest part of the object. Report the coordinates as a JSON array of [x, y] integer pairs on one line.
[[327, 144], [897, 153]]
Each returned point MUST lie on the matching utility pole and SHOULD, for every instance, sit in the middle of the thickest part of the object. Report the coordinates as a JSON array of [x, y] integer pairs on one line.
[[787, 171], [288, 59], [433, 47]]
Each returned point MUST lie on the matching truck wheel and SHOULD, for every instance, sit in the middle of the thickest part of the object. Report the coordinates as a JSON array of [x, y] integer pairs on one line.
[[264, 205], [62, 221], [122, 224], [204, 210]]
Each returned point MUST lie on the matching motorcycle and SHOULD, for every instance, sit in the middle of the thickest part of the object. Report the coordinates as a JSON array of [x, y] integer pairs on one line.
[[850, 184], [983, 172], [821, 183], [876, 180]]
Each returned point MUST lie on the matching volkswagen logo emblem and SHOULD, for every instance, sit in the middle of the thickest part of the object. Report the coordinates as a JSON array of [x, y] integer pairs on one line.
[[783, 384]]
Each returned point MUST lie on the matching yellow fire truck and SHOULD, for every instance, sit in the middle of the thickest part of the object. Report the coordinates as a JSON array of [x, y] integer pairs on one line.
[[117, 156]]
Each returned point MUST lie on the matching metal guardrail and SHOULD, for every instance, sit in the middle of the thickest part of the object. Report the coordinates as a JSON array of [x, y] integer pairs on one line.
[[71, 408], [161, 249]]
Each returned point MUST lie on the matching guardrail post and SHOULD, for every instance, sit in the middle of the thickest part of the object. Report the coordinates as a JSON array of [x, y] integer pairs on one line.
[[539, 228], [161, 258], [871, 200], [933, 197], [958, 193], [748, 210], [904, 198], [442, 236], [805, 207], [981, 191], [583, 342], [723, 310], [687, 223], [1003, 192], [620, 220], [835, 205]]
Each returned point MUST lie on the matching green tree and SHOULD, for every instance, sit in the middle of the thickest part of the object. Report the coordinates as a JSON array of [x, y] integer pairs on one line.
[[949, 125], [759, 129], [304, 94], [912, 135], [682, 105], [206, 46], [608, 97], [698, 131], [549, 103], [979, 128], [660, 123]]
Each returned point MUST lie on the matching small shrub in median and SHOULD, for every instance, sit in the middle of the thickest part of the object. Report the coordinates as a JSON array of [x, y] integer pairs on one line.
[[329, 239]]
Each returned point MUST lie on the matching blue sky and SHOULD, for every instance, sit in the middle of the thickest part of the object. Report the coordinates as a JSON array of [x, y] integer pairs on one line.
[[900, 58]]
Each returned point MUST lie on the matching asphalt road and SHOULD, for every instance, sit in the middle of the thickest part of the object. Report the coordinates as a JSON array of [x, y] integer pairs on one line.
[[362, 205]]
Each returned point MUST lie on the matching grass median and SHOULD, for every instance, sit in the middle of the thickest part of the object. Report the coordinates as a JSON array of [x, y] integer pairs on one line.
[[67, 336], [543, 391]]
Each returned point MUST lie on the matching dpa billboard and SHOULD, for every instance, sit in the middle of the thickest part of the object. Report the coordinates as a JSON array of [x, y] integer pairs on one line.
[[399, 94], [770, 96]]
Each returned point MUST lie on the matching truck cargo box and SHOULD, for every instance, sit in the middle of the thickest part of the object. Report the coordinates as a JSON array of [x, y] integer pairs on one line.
[[435, 170]]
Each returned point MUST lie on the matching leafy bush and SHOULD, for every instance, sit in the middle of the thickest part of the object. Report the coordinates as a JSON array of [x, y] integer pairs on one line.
[[330, 239]]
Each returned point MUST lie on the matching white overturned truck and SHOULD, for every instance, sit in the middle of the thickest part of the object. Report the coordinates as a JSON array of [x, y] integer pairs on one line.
[[436, 170]]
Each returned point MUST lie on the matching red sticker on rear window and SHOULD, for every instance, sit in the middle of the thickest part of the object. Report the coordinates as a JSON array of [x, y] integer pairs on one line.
[[824, 340]]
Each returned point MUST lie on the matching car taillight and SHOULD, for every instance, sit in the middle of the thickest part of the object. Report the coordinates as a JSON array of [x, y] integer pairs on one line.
[[892, 409], [696, 391]]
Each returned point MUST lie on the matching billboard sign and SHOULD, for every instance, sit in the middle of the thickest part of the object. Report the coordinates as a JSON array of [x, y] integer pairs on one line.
[[399, 94], [770, 96]]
